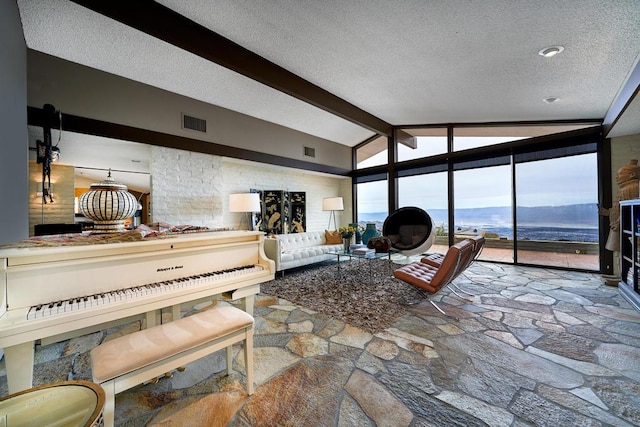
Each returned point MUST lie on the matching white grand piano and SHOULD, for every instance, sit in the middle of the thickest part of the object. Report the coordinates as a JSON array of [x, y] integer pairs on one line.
[[55, 293]]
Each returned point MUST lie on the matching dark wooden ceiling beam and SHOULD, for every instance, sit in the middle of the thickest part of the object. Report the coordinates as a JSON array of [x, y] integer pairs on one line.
[[625, 97], [165, 24], [89, 126]]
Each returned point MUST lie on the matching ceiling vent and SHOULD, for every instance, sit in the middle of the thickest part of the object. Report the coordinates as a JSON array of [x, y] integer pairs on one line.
[[310, 152], [194, 123]]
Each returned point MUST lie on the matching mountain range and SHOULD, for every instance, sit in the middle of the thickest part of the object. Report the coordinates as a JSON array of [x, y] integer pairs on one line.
[[578, 215]]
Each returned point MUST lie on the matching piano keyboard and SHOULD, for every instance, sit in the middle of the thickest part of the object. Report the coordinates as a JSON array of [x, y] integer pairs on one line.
[[128, 294]]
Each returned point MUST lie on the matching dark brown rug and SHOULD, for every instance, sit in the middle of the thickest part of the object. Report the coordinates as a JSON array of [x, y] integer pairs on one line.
[[352, 297]]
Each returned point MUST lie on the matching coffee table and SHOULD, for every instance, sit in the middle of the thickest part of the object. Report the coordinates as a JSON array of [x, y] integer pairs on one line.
[[371, 257]]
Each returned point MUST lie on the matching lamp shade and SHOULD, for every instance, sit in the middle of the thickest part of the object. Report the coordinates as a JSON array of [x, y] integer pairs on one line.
[[244, 202], [332, 204]]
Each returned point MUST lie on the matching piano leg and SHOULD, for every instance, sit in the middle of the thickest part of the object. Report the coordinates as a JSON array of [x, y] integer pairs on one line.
[[247, 303], [176, 312], [153, 318], [19, 364]]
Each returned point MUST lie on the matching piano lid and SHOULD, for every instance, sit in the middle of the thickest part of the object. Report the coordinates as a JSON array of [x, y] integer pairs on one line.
[[65, 247]]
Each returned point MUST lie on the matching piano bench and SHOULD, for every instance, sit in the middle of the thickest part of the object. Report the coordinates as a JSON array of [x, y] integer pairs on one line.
[[124, 362]]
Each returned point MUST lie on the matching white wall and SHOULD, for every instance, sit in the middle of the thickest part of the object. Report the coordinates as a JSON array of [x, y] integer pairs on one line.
[[87, 92], [14, 174], [193, 188]]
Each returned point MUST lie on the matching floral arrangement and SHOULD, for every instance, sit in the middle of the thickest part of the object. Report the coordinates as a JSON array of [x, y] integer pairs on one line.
[[346, 232]]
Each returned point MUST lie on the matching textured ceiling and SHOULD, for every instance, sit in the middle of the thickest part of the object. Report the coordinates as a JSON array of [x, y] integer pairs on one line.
[[405, 62]]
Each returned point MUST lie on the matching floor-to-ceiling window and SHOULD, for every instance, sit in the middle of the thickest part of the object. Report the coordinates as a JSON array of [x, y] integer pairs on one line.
[[428, 191], [372, 205], [502, 180], [482, 200]]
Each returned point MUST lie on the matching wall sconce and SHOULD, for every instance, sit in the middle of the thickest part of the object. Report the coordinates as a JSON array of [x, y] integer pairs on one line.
[[45, 190], [332, 204], [245, 203]]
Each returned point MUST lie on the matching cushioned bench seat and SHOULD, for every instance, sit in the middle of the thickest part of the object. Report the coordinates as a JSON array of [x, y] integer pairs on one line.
[[127, 361]]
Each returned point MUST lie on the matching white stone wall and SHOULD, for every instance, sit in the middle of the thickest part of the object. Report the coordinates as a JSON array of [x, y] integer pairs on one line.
[[186, 187], [247, 175], [194, 188]]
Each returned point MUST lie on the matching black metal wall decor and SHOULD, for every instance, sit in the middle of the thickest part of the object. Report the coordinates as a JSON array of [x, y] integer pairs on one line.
[[46, 152], [282, 211]]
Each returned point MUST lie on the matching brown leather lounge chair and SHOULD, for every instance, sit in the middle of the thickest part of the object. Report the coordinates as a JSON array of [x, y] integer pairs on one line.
[[429, 279], [436, 260]]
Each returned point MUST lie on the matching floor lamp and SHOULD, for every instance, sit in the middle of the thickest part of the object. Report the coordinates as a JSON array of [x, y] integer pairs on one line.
[[246, 203], [332, 204]]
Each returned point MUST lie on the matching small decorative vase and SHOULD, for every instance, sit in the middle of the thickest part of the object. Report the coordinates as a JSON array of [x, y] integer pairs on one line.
[[358, 236], [369, 232], [346, 243]]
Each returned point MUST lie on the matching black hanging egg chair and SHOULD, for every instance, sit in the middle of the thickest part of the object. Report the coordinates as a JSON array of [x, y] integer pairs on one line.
[[410, 230]]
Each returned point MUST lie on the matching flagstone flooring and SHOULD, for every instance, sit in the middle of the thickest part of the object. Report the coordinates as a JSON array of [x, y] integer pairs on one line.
[[535, 347]]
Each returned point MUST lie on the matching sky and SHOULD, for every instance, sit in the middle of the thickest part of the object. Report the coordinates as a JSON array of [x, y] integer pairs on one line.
[[555, 182]]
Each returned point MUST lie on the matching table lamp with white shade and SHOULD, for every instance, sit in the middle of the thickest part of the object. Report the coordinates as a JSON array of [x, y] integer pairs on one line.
[[245, 203]]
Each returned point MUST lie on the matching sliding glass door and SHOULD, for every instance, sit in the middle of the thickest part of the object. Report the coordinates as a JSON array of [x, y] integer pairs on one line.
[[557, 212], [482, 200]]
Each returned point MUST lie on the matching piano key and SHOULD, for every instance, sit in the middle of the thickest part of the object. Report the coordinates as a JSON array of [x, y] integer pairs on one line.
[[140, 291], [34, 312]]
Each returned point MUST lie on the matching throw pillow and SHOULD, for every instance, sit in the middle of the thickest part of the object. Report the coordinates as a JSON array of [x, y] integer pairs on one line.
[[332, 237]]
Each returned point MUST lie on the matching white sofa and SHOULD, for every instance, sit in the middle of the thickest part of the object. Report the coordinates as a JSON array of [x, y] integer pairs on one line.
[[298, 249]]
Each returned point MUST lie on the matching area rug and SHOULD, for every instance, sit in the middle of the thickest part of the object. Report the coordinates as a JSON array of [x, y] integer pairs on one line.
[[352, 297]]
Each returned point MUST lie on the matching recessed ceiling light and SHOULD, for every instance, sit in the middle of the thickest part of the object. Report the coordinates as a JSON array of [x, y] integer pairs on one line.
[[550, 99], [550, 51]]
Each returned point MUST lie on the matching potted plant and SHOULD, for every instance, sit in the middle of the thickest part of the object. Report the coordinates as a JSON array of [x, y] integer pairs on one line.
[[346, 233]]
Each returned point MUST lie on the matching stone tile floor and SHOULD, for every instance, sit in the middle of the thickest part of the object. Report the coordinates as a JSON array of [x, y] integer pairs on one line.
[[534, 347]]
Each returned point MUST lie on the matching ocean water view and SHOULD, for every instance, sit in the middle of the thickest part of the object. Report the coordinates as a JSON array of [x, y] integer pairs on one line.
[[562, 234], [565, 234], [567, 223]]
